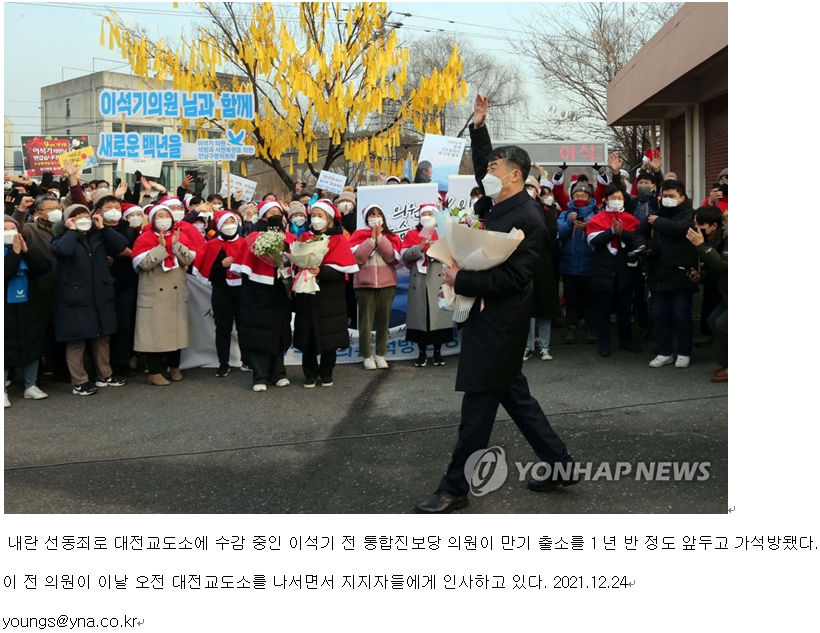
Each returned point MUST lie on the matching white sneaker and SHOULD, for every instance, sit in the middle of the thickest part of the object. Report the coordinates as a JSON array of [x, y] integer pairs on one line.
[[34, 393], [260, 387], [683, 361], [660, 361], [6, 403], [545, 354], [369, 363], [244, 367], [283, 382], [381, 363]]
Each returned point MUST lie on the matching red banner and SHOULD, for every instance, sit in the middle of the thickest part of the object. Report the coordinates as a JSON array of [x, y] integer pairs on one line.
[[42, 153]]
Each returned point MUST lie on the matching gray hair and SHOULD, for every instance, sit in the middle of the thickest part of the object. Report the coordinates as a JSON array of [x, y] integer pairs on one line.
[[46, 197]]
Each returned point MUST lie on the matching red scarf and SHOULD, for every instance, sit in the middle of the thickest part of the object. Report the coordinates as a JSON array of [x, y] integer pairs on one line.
[[339, 256], [603, 221], [205, 258], [149, 240], [413, 238]]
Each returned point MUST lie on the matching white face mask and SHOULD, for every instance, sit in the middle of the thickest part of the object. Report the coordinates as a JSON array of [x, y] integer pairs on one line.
[[55, 216], [200, 228], [8, 237], [229, 229], [299, 221], [318, 223], [427, 221], [255, 218], [163, 224], [345, 207], [216, 206], [616, 205], [83, 224], [493, 185], [103, 192], [375, 222], [135, 221], [548, 200], [112, 215], [177, 215], [533, 193], [669, 202]]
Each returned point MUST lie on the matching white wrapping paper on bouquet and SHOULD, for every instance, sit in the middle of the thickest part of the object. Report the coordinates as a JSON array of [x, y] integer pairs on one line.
[[473, 250], [307, 255]]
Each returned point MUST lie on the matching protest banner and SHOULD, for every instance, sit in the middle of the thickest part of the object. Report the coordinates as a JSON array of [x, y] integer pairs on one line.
[[146, 166], [223, 149], [248, 187], [175, 104], [458, 195], [400, 204], [439, 159], [83, 157], [41, 154], [119, 145], [334, 183]]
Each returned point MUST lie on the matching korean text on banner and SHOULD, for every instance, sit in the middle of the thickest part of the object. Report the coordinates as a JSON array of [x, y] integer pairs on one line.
[[439, 159], [334, 183], [248, 187]]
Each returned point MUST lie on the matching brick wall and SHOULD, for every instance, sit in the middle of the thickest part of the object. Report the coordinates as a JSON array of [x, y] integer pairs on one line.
[[716, 132], [677, 147]]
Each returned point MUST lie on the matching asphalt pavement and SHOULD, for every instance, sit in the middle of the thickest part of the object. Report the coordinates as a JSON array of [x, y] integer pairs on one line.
[[374, 442]]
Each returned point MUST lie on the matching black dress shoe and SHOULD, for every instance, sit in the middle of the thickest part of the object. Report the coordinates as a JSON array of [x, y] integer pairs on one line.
[[548, 485], [441, 503]]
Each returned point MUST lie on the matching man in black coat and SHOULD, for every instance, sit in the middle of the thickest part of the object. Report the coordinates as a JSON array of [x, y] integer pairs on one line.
[[495, 334], [670, 258]]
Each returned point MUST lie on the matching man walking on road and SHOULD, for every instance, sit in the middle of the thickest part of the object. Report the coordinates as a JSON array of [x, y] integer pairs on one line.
[[494, 338]]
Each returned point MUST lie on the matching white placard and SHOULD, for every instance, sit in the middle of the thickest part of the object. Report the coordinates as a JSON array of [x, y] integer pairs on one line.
[[400, 204], [148, 167], [439, 159], [248, 187], [458, 196], [333, 182]]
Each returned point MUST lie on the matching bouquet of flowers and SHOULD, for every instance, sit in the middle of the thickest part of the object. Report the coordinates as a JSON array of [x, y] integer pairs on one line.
[[306, 255], [472, 250], [269, 246]]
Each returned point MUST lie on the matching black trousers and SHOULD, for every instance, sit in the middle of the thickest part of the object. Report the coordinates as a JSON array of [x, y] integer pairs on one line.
[[225, 305], [622, 299], [157, 361], [579, 299], [478, 411], [719, 323], [711, 300], [640, 306], [122, 342], [265, 366], [317, 369]]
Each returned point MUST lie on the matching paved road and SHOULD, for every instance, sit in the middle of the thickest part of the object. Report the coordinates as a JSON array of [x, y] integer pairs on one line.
[[375, 442]]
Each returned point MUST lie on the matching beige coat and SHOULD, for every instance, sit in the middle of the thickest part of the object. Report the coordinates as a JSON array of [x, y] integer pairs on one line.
[[162, 302]]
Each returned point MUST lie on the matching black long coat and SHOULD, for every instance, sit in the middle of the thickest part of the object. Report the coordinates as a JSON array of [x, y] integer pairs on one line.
[[264, 317], [25, 324], [322, 316], [546, 304], [84, 292], [493, 339]]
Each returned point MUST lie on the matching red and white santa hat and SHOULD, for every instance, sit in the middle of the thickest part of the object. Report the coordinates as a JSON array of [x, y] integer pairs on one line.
[[174, 201], [369, 208], [267, 206], [154, 209], [427, 207], [221, 216], [328, 207]]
